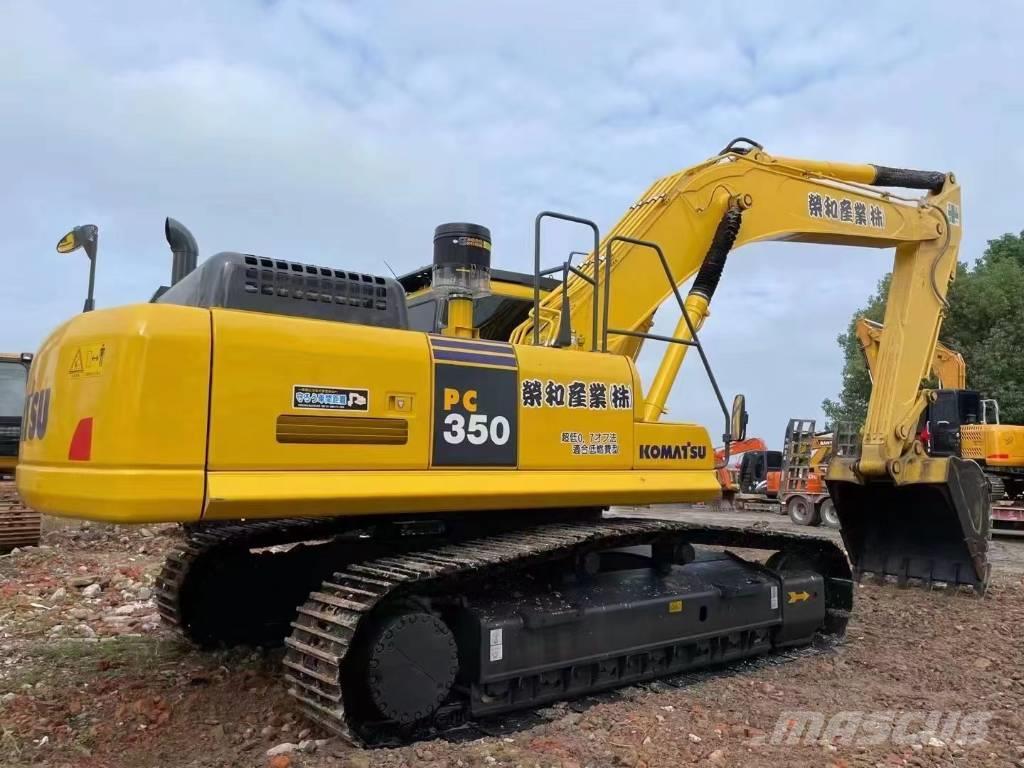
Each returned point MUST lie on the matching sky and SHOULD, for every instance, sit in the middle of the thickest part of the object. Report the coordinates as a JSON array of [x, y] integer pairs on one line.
[[342, 133]]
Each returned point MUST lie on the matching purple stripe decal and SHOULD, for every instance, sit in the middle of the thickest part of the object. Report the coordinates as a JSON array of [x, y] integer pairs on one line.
[[474, 357]]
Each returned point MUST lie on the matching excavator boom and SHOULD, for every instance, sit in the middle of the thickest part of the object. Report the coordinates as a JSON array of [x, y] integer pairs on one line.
[[745, 195]]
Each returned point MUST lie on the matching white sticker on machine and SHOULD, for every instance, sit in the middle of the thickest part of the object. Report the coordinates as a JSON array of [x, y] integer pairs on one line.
[[496, 645], [775, 598]]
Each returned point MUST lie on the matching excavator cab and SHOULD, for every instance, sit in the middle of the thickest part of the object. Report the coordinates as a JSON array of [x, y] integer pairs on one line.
[[13, 377], [951, 409], [755, 467]]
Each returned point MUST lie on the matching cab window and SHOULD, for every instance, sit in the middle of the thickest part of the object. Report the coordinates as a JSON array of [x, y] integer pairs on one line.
[[13, 377]]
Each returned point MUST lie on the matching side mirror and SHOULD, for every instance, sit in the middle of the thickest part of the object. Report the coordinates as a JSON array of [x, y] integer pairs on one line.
[[85, 237], [738, 420]]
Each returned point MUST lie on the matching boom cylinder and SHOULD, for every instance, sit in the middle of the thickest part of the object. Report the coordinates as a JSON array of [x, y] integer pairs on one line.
[[866, 173], [695, 309]]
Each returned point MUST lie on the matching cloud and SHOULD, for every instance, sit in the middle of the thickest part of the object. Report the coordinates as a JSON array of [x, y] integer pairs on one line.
[[342, 133]]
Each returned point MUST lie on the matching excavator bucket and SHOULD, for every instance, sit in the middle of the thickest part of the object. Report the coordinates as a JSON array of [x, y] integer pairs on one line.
[[928, 532]]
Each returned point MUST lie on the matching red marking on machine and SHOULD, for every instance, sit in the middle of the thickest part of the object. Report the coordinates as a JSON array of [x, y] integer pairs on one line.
[[81, 441]]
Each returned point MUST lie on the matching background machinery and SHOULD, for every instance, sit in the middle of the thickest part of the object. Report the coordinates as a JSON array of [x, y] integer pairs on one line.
[[790, 481], [19, 525], [961, 422], [422, 513], [749, 474], [806, 455]]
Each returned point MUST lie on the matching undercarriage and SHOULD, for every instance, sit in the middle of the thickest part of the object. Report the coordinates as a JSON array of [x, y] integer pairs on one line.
[[394, 630]]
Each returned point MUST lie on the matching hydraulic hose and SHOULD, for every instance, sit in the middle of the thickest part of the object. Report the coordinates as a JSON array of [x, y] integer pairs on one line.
[[694, 311], [714, 262]]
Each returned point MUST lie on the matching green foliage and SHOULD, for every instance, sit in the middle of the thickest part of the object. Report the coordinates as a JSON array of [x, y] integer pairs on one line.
[[985, 324]]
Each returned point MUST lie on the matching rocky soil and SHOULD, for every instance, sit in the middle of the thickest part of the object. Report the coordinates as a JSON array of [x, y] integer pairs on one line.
[[88, 677]]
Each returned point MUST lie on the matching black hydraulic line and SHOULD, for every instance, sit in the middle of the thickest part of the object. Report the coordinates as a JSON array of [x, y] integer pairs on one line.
[[714, 262], [907, 178], [732, 146]]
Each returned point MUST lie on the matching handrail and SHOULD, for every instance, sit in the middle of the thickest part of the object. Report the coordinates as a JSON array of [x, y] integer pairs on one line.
[[566, 267], [694, 340]]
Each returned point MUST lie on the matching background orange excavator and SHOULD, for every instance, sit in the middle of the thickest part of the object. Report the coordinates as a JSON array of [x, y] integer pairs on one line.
[[750, 479]]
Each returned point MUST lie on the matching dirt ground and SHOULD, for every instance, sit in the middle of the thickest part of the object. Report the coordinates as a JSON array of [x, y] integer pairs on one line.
[[88, 677]]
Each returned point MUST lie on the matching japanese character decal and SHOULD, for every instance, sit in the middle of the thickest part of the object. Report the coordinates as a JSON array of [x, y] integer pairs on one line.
[[622, 396], [577, 395], [843, 209], [598, 395], [531, 393], [814, 206], [554, 394]]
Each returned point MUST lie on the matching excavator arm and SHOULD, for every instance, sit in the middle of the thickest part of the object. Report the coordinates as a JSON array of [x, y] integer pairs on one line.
[[948, 366], [744, 195]]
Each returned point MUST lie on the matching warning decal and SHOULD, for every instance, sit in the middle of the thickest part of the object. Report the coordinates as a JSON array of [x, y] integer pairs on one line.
[[88, 361]]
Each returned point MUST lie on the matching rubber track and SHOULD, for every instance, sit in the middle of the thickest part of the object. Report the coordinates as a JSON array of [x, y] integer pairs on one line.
[[330, 618]]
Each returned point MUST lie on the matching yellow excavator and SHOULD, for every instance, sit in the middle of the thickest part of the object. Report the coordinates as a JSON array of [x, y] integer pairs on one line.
[[19, 525], [959, 421], [422, 513], [948, 367]]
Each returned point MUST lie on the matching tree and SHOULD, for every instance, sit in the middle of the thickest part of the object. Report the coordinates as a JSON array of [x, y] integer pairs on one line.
[[985, 324]]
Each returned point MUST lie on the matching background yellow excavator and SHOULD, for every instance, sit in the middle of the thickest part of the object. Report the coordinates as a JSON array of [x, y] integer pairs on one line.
[[19, 525], [948, 366], [959, 421], [442, 494]]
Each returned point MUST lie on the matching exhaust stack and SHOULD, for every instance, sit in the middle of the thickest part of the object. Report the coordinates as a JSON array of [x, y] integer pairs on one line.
[[184, 251]]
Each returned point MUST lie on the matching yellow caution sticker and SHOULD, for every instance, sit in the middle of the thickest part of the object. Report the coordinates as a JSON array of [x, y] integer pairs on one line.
[[799, 597], [675, 606], [88, 361]]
